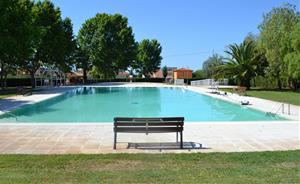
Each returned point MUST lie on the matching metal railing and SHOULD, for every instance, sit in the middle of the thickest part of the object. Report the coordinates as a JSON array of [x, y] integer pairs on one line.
[[13, 115], [209, 82], [280, 107]]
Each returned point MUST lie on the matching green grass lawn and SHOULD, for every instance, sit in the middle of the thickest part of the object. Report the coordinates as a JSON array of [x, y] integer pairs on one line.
[[7, 93], [287, 96], [10, 91], [256, 167]]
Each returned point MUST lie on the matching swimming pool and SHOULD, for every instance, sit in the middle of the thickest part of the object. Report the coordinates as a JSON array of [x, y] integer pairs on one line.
[[102, 104]]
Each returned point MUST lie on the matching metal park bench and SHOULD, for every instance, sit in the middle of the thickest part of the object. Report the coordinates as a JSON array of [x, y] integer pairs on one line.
[[21, 90], [148, 125]]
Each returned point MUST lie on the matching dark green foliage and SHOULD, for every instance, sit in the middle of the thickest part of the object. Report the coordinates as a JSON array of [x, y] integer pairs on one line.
[[275, 38], [52, 41], [200, 74], [148, 57], [82, 61], [165, 71], [292, 59], [32, 34], [65, 53], [241, 65], [108, 42], [15, 35]]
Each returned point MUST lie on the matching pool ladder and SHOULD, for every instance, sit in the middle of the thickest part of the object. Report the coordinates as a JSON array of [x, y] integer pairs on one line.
[[13, 115], [280, 106]]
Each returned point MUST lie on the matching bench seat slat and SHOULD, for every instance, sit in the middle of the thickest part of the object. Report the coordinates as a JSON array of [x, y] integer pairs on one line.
[[149, 124], [119, 119], [149, 130]]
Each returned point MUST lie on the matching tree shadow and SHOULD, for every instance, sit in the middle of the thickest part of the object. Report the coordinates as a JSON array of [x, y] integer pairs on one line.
[[7, 104], [11, 104]]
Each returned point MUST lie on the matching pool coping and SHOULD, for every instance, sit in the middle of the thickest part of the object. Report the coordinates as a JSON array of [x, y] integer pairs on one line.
[[186, 123]]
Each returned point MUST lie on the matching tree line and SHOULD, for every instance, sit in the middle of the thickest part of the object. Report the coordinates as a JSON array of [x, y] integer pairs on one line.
[[33, 34], [272, 55]]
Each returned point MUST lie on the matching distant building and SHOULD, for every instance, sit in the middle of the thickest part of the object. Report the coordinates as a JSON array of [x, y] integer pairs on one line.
[[74, 77], [159, 73], [183, 73], [122, 75], [170, 73]]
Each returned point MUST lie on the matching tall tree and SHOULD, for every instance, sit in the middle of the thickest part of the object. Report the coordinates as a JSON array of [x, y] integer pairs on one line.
[[259, 55], [83, 62], [15, 33], [211, 63], [45, 42], [148, 57], [109, 43], [200, 74], [165, 71], [274, 39], [240, 65], [292, 59], [64, 55]]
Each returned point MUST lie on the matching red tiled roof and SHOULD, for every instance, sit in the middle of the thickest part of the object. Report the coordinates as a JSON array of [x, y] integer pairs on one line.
[[183, 69], [158, 74], [125, 74]]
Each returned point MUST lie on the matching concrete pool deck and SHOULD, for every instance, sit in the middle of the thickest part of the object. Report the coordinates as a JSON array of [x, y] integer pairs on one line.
[[60, 138], [98, 138]]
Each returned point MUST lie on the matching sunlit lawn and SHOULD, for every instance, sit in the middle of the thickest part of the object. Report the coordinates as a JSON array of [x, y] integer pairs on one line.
[[287, 96], [11, 91], [255, 167]]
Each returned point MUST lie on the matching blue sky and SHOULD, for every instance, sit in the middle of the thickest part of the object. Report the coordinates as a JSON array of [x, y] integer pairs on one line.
[[189, 30]]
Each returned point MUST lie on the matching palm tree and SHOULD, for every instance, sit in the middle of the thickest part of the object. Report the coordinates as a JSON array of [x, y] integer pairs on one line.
[[241, 65]]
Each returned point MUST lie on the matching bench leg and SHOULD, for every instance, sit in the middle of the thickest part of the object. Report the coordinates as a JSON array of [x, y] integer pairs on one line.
[[181, 141], [115, 140]]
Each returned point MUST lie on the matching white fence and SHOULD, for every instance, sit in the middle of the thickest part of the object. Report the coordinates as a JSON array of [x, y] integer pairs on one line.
[[209, 82], [179, 81]]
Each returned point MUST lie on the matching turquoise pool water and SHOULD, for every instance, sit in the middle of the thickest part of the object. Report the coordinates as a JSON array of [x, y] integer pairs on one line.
[[90, 104]]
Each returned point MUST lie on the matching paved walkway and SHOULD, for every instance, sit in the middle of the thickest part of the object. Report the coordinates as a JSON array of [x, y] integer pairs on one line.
[[98, 138]]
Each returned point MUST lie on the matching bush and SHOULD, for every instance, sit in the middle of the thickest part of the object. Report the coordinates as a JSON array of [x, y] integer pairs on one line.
[[159, 80], [13, 82]]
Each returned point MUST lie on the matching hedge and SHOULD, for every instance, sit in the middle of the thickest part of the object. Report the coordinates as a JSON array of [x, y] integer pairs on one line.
[[13, 82], [160, 80]]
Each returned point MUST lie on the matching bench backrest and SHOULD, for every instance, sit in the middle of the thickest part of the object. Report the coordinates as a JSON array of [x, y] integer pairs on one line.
[[169, 124], [240, 89]]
